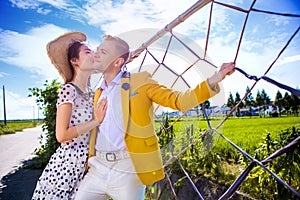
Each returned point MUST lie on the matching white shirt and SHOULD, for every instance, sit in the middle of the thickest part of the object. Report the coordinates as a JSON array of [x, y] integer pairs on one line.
[[110, 134]]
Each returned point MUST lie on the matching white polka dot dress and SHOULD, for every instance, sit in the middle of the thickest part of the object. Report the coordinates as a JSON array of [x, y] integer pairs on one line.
[[61, 177]]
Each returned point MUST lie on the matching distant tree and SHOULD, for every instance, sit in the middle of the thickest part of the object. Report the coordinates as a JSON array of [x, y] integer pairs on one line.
[[258, 99], [249, 101], [295, 103], [265, 98], [230, 101], [236, 101], [262, 100], [278, 102], [259, 102], [287, 102]]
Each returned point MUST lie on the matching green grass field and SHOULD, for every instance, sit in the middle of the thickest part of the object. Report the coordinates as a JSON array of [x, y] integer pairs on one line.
[[245, 132], [220, 162], [14, 126]]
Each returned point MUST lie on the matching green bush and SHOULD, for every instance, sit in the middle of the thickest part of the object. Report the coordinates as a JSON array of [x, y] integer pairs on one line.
[[274, 114], [261, 184], [4, 129], [46, 99]]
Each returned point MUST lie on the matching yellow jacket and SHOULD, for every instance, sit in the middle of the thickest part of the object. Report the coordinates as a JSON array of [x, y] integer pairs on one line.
[[139, 91]]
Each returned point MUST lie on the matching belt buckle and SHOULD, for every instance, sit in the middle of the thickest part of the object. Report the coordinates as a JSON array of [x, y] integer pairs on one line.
[[110, 156]]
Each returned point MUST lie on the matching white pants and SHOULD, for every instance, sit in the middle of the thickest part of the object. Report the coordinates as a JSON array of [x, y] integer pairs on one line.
[[115, 179]]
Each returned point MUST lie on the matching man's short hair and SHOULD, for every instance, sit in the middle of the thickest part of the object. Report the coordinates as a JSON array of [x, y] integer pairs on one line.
[[121, 46]]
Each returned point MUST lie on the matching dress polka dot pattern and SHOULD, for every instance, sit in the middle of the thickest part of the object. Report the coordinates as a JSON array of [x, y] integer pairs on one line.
[[61, 177]]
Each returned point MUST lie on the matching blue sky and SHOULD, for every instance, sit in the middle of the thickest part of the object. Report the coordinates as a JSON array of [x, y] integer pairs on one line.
[[27, 25]]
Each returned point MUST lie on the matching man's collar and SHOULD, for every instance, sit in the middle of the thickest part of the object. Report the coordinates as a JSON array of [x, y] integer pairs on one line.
[[116, 80]]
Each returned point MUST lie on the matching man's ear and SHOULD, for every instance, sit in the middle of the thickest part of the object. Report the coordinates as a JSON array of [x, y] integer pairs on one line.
[[119, 62]]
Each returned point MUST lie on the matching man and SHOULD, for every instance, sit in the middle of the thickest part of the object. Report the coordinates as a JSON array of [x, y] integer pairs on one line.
[[124, 150]]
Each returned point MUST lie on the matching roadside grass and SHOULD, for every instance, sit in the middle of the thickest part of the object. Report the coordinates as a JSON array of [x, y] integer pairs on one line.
[[15, 126]]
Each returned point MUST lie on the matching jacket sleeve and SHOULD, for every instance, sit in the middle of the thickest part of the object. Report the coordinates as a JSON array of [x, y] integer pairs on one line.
[[182, 101]]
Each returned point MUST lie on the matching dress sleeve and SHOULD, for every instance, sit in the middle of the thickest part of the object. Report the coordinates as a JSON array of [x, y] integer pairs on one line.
[[66, 95]]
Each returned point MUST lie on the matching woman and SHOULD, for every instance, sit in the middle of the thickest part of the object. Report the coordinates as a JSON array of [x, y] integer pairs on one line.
[[74, 119]]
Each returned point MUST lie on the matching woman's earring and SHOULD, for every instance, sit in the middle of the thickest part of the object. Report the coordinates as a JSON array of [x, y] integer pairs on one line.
[[124, 68]]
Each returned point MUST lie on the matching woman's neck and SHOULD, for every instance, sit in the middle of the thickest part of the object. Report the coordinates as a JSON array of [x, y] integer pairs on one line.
[[81, 81]]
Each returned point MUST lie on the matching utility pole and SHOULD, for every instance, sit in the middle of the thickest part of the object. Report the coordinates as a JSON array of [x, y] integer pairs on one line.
[[4, 107]]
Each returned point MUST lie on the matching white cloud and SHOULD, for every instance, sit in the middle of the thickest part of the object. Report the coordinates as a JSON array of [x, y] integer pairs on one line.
[[19, 107], [57, 3], [255, 55], [278, 20], [43, 11], [34, 4], [258, 50], [28, 4], [288, 59], [2, 74], [116, 18], [28, 50], [158, 15], [67, 8]]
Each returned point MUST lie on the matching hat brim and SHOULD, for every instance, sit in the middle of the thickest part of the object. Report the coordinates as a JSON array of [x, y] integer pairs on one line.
[[57, 51]]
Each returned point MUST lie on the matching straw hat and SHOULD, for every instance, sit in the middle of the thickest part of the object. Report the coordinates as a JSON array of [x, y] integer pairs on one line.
[[57, 51]]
